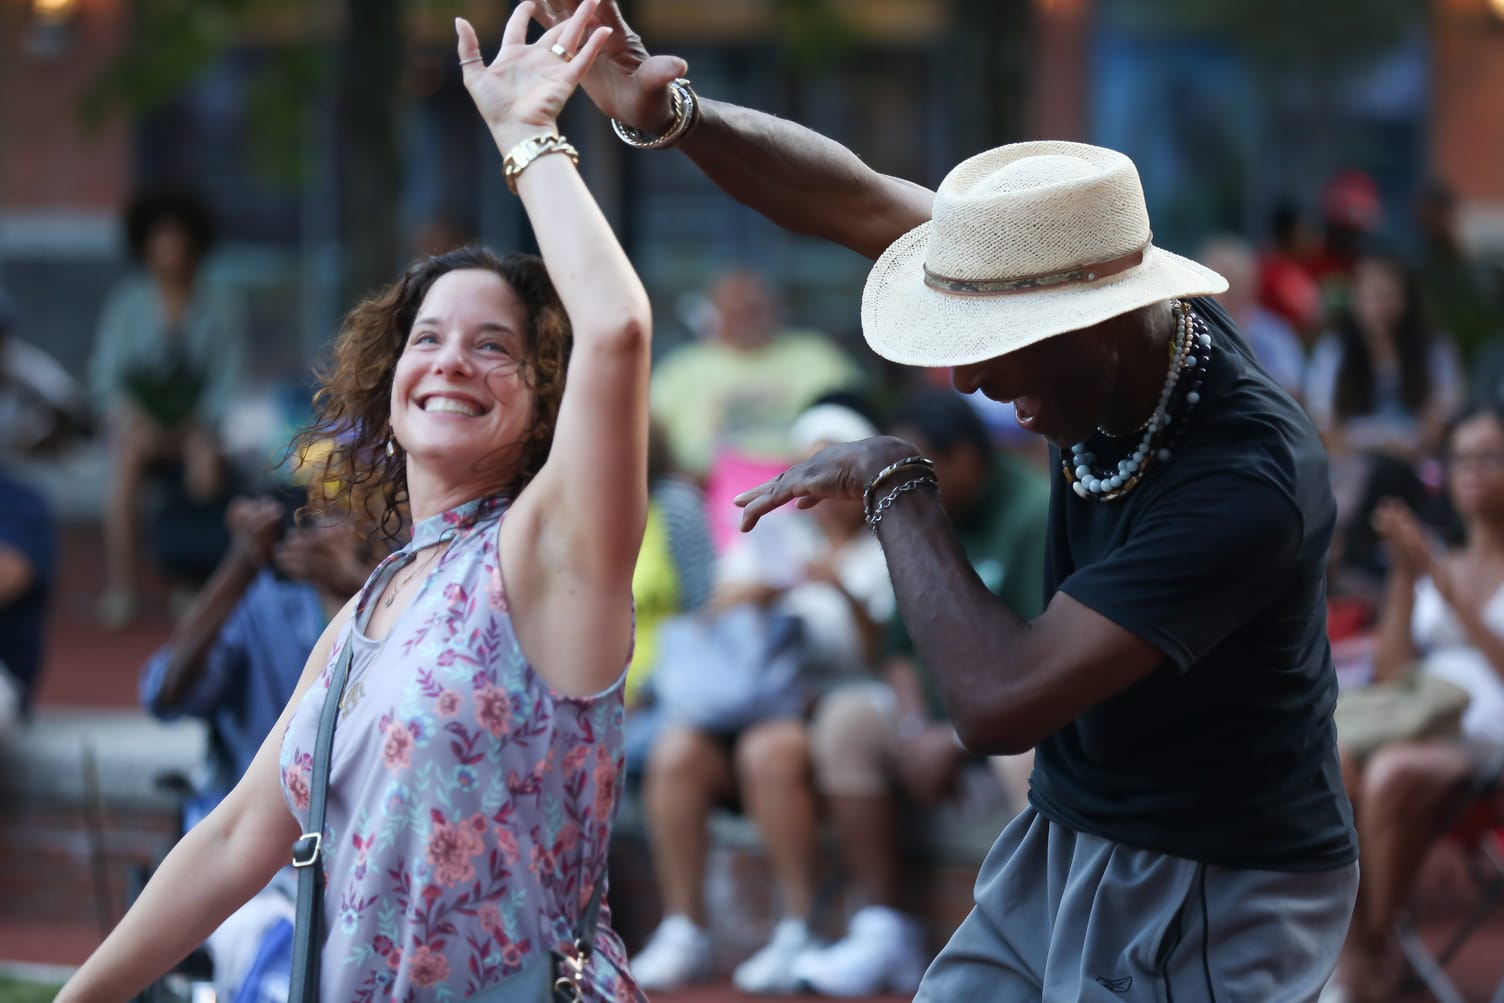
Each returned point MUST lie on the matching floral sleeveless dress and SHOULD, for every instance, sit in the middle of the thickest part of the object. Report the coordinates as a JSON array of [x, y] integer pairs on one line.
[[470, 805]]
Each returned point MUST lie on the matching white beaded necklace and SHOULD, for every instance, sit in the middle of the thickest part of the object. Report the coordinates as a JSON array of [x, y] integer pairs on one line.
[[1185, 369]]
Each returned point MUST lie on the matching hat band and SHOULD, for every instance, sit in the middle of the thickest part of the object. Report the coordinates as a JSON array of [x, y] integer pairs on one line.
[[1089, 272]]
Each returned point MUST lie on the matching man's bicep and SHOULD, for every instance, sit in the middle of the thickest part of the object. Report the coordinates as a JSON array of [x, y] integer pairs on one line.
[[1073, 658]]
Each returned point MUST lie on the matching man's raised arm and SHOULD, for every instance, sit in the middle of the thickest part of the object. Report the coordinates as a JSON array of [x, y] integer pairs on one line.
[[799, 179]]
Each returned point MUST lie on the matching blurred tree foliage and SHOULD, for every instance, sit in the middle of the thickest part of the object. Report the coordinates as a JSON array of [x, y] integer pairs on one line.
[[307, 53], [1319, 38]]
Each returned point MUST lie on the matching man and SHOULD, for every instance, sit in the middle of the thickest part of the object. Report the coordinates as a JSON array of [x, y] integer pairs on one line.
[[1458, 287], [872, 741], [28, 562], [1273, 341], [1187, 836], [233, 661], [39, 410], [727, 402], [42, 408]]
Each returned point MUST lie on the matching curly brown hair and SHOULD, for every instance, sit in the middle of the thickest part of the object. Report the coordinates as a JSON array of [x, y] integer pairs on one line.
[[353, 402]]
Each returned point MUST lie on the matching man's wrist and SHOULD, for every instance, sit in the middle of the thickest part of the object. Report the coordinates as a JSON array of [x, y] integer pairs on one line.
[[244, 558]]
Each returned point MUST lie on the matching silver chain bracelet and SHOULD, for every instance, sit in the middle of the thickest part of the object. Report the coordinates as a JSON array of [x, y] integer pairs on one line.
[[874, 515]]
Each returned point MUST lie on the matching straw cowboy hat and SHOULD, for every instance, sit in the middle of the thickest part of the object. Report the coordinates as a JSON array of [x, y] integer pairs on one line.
[[1026, 241]]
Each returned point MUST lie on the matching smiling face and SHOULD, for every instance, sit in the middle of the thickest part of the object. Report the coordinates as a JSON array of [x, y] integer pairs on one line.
[[1060, 388], [461, 407]]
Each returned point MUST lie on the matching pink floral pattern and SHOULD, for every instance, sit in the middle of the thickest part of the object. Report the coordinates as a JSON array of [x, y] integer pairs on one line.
[[470, 806]]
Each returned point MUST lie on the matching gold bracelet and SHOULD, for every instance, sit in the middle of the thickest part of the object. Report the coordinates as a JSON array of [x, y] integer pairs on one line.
[[524, 153]]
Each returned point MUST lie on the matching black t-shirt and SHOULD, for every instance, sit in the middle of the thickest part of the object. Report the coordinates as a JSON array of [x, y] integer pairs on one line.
[[1226, 753]]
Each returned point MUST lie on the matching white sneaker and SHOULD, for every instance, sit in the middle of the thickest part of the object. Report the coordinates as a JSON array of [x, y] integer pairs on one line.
[[882, 952], [677, 955], [770, 972]]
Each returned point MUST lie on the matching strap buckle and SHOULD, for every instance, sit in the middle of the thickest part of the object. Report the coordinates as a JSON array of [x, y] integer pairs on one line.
[[305, 851], [569, 987]]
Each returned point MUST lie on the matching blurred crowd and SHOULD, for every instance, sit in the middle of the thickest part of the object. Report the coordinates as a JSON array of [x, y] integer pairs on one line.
[[772, 675]]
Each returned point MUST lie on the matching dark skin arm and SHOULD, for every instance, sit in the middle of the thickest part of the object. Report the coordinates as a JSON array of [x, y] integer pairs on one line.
[[803, 181], [16, 575], [255, 525], [799, 179], [1007, 683]]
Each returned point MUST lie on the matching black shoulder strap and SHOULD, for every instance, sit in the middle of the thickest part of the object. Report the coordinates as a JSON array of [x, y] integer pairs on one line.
[[307, 852], [590, 918]]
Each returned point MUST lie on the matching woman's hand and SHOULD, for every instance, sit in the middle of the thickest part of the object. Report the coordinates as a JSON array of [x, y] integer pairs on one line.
[[626, 83], [521, 93], [1407, 540], [834, 472]]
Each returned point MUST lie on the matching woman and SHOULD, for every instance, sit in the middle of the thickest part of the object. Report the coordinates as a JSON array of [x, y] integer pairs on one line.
[[1444, 613], [1379, 388], [1383, 380], [166, 362], [476, 760], [824, 570]]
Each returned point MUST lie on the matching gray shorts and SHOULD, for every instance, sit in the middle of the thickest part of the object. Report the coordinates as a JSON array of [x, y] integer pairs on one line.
[[1062, 915]]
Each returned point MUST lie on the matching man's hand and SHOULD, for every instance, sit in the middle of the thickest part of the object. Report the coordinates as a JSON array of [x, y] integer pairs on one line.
[[834, 472], [324, 557], [255, 525], [625, 82]]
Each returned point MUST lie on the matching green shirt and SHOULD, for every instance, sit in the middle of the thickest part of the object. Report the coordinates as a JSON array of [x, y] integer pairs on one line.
[[1004, 539]]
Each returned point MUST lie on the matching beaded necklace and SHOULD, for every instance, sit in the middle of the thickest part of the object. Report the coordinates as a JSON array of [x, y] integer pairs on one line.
[[1190, 355]]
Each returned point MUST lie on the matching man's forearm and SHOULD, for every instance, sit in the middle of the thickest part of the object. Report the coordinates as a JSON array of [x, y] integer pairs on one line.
[[966, 636], [195, 636], [803, 181]]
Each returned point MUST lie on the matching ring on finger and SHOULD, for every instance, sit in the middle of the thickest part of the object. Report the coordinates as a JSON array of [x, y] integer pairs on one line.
[[560, 51], [473, 59]]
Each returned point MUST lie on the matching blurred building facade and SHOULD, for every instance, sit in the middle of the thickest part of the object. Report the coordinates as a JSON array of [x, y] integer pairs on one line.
[[911, 85]]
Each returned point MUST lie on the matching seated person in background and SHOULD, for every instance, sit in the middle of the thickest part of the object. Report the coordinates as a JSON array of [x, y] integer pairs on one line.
[[42, 408], [876, 742], [28, 561], [166, 362], [826, 571], [674, 575], [233, 661], [1274, 342], [1383, 380], [727, 401], [1379, 388], [39, 405], [1445, 614]]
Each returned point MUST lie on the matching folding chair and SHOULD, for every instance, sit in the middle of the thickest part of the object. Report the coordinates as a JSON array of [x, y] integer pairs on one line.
[[1476, 824]]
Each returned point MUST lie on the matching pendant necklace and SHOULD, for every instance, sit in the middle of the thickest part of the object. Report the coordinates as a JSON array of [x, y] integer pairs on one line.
[[391, 594]]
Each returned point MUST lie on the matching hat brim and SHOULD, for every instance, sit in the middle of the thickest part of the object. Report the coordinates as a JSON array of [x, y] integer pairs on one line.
[[908, 322]]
